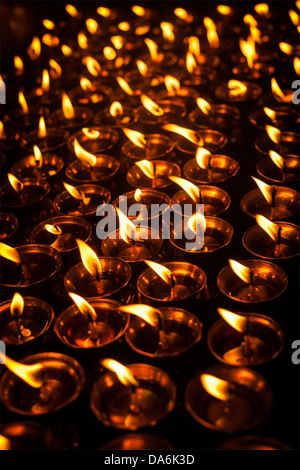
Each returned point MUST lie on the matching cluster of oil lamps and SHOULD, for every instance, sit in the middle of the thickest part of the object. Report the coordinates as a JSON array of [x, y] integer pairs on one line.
[[98, 109]]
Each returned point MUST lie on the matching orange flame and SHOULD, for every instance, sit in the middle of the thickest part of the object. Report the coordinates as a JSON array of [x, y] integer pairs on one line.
[[142, 67], [67, 107], [116, 109], [31, 374], [203, 105], [56, 69], [183, 15], [42, 127], [82, 41], [277, 159], [90, 133], [124, 26], [236, 88], [168, 31], [86, 84], [118, 41], [66, 50], [91, 25], [142, 30], [103, 11], [164, 273], [50, 40], [76, 194], [15, 183], [109, 53], [138, 195], [273, 133], [48, 24], [194, 46], [124, 85], [212, 35], [286, 48], [153, 49], [172, 84], [127, 228], [269, 227], [18, 64], [34, 49], [45, 81], [124, 374], [138, 10], [147, 168], [72, 11], [23, 102], [262, 9], [89, 258], [10, 253], [137, 138], [93, 66], [296, 64], [216, 387], [278, 93], [195, 221], [255, 34], [238, 322], [54, 229], [83, 155], [250, 20], [270, 113], [191, 189], [248, 50], [2, 133], [190, 62], [241, 271], [188, 134], [202, 157], [147, 313], [151, 106], [84, 307], [295, 18], [17, 305], [224, 10], [265, 189], [37, 156], [5, 444]]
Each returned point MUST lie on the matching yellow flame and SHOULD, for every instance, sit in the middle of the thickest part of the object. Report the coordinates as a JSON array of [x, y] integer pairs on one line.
[[2, 133], [5, 444], [127, 228], [224, 9], [296, 64], [42, 127], [91, 25], [90, 133], [195, 221], [103, 11], [34, 49], [93, 66], [250, 20], [45, 81], [147, 313], [124, 26], [256, 34], [297, 3], [269, 227], [116, 109], [204, 105], [243, 272], [265, 189], [137, 138], [75, 193], [10, 253], [248, 50], [48, 24], [151, 106], [118, 41], [183, 15], [141, 30], [273, 133], [18, 64], [164, 273], [31, 374], [286, 48], [72, 10], [89, 258], [138, 10], [54, 229], [202, 157], [84, 307], [55, 68], [278, 93], [15, 183], [86, 84], [212, 35], [188, 134], [191, 189], [194, 46], [270, 113], [50, 40], [37, 156], [66, 50], [17, 305], [142, 67], [109, 53], [238, 322], [124, 85], [295, 18], [168, 31], [262, 9], [147, 168], [236, 88], [23, 102], [190, 62], [83, 155], [216, 387], [153, 49], [277, 159], [82, 41], [138, 195], [67, 107], [172, 84], [124, 374]]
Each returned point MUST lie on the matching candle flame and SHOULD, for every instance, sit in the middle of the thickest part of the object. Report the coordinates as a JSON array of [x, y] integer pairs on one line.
[[151, 106], [236, 88], [127, 228], [48, 24], [191, 189], [277, 159], [203, 157], [124, 26], [91, 25], [118, 41], [142, 30], [89, 258], [18, 64], [37, 156], [164, 273], [15, 182], [54, 229], [83, 155], [147, 313], [138, 195], [90, 133], [168, 31], [34, 49], [31, 374], [56, 69], [265, 189], [249, 20], [172, 84], [137, 138], [248, 50], [66, 50], [10, 253], [93, 66], [2, 133], [82, 41], [42, 127], [269, 227], [147, 168], [212, 35], [116, 109], [262, 9], [124, 85], [182, 14], [138, 10], [194, 46], [86, 84], [216, 387], [76, 194], [72, 11], [224, 10], [203, 105], [278, 93], [103, 11], [142, 67], [124, 374], [17, 305], [50, 40], [273, 133], [238, 322], [296, 64], [153, 49], [196, 222], [45, 81], [190, 62], [255, 34], [270, 113], [243, 272], [109, 53], [23, 102], [188, 134], [5, 444], [67, 107], [84, 307], [295, 18], [286, 48]]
